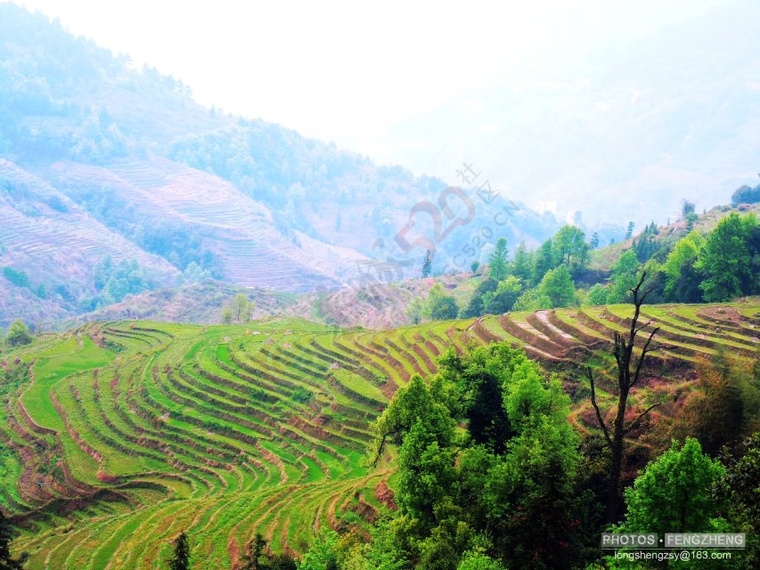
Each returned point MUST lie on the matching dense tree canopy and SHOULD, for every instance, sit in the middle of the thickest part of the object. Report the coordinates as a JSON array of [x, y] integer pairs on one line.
[[557, 286], [570, 247], [727, 259], [497, 492], [8, 562], [746, 195], [675, 493], [624, 277], [682, 278], [740, 486], [18, 334], [503, 298], [439, 306]]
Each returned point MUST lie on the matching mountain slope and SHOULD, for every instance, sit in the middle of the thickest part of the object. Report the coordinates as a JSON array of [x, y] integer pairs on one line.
[[126, 433], [56, 244], [242, 201]]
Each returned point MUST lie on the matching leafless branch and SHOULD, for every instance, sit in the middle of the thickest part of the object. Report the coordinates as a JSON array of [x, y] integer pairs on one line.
[[644, 352], [590, 376], [642, 327], [382, 446], [635, 422]]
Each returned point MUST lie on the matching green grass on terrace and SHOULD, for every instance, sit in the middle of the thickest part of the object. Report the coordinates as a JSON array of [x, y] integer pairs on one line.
[[358, 384], [70, 357], [178, 388]]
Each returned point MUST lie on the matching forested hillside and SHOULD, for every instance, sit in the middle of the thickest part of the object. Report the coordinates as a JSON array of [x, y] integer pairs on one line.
[[101, 161]]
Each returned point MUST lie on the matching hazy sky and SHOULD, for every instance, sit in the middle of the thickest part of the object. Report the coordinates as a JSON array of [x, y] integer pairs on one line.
[[357, 73]]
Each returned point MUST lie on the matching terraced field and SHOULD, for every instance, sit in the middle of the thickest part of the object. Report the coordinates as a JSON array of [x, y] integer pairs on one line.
[[130, 432], [240, 231]]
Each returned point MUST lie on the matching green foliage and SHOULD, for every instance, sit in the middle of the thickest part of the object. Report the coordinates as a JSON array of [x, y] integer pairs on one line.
[[410, 404], [740, 486], [480, 381], [532, 300], [647, 244], [543, 261], [597, 295], [427, 264], [724, 407], [254, 553], [497, 263], [256, 559], [354, 552], [241, 308], [500, 492], [426, 473], [7, 562], [475, 560], [415, 310], [181, 558], [570, 248], [476, 306], [624, 277], [279, 562], [675, 493], [17, 277], [12, 375], [117, 280], [301, 395], [726, 259], [322, 555], [18, 334], [503, 298], [682, 277], [194, 273], [439, 306], [746, 195], [444, 308], [629, 231], [691, 219], [557, 285], [522, 264], [178, 243]]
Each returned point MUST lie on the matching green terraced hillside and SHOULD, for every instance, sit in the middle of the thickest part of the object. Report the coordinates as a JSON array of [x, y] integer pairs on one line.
[[127, 433]]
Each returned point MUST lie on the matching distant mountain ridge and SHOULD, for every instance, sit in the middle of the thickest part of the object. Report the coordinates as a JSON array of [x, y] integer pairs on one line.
[[102, 167]]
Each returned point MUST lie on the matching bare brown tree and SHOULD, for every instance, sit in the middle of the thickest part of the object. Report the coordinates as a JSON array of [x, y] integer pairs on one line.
[[629, 373]]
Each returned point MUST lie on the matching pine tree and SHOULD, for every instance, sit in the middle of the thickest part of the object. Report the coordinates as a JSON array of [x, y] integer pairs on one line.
[[427, 264], [629, 231], [18, 334], [255, 553], [181, 558], [497, 263]]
